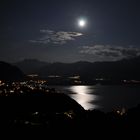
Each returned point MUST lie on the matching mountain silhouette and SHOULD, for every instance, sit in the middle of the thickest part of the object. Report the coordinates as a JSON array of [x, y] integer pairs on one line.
[[128, 69], [9, 72], [29, 66]]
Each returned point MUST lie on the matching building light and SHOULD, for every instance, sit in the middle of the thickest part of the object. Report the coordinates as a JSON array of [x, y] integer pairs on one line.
[[21, 91], [35, 113], [121, 111], [124, 81], [99, 79], [77, 82], [75, 77], [54, 76], [11, 91]]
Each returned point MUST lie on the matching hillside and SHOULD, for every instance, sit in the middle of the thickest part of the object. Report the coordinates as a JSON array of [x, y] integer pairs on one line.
[[9, 72]]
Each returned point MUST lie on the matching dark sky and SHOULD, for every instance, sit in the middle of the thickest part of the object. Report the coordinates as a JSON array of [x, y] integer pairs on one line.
[[48, 30]]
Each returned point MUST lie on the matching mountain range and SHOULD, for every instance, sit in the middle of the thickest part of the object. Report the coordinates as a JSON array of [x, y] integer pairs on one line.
[[123, 69]]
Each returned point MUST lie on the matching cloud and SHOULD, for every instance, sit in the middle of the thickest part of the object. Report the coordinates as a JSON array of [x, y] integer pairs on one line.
[[57, 38], [109, 52]]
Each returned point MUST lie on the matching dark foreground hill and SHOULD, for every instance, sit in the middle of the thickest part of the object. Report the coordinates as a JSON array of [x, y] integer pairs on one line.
[[38, 109], [56, 116], [9, 72]]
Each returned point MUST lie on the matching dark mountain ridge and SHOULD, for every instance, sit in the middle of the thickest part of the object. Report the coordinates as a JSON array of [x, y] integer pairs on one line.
[[128, 69], [9, 72], [29, 66]]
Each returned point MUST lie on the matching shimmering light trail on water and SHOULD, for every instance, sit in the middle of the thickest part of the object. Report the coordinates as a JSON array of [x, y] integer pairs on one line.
[[105, 98], [82, 94]]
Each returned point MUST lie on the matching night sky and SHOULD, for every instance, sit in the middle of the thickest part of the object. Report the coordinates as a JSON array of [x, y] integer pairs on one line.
[[48, 30]]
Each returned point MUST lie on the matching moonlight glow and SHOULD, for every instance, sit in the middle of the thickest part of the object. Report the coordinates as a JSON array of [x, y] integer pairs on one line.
[[82, 23]]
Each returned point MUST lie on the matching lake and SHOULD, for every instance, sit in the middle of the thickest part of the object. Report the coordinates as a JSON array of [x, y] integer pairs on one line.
[[105, 98]]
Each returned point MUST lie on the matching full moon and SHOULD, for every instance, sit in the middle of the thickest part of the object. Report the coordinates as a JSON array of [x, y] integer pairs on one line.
[[82, 23]]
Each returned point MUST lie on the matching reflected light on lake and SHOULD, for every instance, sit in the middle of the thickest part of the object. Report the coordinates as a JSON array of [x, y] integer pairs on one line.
[[83, 96]]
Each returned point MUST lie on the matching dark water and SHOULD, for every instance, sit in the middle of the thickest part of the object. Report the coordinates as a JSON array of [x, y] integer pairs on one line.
[[105, 98]]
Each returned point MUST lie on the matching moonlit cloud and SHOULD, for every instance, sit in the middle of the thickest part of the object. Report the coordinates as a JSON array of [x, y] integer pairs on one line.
[[57, 38], [109, 52]]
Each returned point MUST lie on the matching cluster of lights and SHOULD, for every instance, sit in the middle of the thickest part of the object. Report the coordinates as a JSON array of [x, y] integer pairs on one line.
[[7, 89], [121, 112], [1, 83], [131, 81]]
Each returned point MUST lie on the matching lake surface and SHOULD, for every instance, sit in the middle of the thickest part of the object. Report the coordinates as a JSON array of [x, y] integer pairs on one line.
[[105, 98]]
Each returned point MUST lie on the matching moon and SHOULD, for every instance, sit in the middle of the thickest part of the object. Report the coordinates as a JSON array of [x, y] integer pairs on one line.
[[82, 23]]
